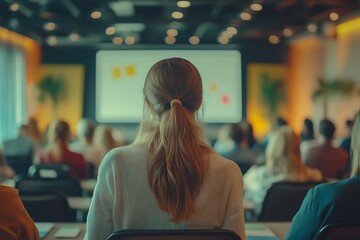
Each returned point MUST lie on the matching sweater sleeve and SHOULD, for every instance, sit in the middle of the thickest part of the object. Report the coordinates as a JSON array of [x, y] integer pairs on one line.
[[99, 221], [307, 220], [234, 213]]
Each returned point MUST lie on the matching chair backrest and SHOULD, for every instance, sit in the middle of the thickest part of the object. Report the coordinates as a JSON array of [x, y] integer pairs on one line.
[[47, 206], [66, 186], [283, 200], [20, 164], [49, 171], [184, 234], [339, 232]]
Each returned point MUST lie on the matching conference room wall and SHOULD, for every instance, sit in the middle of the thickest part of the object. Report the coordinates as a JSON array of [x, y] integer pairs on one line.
[[262, 52]]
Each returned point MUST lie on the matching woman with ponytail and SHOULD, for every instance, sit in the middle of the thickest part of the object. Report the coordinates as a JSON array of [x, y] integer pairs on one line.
[[169, 177]]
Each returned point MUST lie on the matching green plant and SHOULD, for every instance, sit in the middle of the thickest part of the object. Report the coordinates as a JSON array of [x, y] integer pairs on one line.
[[272, 93], [52, 87]]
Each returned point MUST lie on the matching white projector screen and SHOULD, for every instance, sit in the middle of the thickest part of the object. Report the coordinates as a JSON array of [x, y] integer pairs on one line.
[[120, 76]]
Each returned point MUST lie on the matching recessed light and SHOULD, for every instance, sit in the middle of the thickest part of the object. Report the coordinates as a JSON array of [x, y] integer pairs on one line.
[[194, 40], [172, 32], [117, 40], [288, 32], [14, 7], [334, 16], [223, 40], [245, 16], [312, 27], [231, 30], [273, 39], [177, 15], [256, 7], [130, 40], [96, 15], [74, 37], [110, 31], [52, 40], [170, 40], [183, 4], [50, 26]]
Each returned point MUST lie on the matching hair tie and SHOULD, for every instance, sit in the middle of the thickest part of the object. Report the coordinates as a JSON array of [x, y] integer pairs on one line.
[[175, 101]]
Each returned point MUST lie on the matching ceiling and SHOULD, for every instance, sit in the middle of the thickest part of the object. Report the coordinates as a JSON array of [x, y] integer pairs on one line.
[[70, 22]]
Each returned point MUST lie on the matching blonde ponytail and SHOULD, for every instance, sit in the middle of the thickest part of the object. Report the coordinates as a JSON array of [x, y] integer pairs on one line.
[[178, 154]]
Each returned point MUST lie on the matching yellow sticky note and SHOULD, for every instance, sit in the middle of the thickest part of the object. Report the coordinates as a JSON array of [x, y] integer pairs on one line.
[[131, 70], [116, 72]]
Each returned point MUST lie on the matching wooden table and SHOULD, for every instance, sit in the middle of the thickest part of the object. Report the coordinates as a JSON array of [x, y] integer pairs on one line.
[[79, 203]]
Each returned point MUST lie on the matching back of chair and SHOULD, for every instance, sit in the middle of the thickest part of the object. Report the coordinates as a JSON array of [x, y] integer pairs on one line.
[[283, 200], [47, 206], [20, 164], [339, 232], [185, 234], [66, 186], [49, 171]]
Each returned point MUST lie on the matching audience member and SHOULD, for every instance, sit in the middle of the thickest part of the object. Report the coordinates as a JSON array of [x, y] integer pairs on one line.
[[241, 154], [307, 131], [224, 143], [57, 151], [169, 178], [84, 144], [283, 163], [103, 139], [321, 154], [248, 128], [34, 132], [5, 171], [345, 142], [22, 145], [15, 222], [329, 203]]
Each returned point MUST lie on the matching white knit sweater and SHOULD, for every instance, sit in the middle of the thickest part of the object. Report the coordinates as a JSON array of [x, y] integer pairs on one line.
[[123, 198]]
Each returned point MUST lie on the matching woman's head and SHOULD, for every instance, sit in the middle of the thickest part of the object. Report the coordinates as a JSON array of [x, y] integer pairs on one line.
[[59, 131], [170, 132], [283, 150], [103, 138], [173, 78], [355, 147]]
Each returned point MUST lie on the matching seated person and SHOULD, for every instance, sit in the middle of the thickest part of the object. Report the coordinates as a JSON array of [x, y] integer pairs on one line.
[[85, 144], [169, 178], [15, 222], [328, 203], [330, 160], [6, 172], [282, 163], [57, 151], [241, 154]]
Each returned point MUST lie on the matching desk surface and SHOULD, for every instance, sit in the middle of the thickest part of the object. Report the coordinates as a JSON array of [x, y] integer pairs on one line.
[[279, 228]]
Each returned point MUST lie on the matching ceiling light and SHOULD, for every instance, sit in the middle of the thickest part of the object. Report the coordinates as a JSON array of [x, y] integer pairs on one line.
[[177, 15], [130, 40], [170, 40], [312, 27], [273, 39], [288, 32], [96, 15], [256, 7], [50, 26], [117, 40], [110, 31], [194, 40], [245, 16], [172, 32], [334, 16], [14, 7], [52, 40], [183, 4], [231, 30], [226, 34], [223, 40], [74, 37]]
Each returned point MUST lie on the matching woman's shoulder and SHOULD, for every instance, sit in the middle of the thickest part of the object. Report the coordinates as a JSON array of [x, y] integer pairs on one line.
[[221, 165], [129, 154]]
